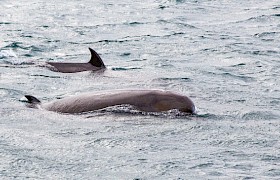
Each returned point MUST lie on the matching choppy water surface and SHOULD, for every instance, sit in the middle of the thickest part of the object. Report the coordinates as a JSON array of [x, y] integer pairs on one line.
[[224, 55]]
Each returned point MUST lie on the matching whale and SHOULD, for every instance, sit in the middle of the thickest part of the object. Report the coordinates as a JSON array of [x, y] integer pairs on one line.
[[142, 100], [95, 64]]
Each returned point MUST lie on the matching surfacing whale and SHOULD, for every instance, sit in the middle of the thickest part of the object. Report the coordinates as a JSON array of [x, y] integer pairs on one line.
[[143, 100], [94, 64]]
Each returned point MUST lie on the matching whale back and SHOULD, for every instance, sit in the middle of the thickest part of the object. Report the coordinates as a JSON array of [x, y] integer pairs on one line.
[[143, 100], [94, 64]]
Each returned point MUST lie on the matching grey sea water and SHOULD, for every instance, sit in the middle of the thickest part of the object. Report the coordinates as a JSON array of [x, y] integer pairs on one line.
[[224, 55]]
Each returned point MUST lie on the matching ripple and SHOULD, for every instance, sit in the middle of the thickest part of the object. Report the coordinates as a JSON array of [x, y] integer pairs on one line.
[[111, 41], [264, 53], [124, 68], [273, 172], [12, 92], [134, 38], [268, 36], [241, 77], [209, 116], [238, 65], [126, 54], [277, 15], [231, 75], [261, 18], [134, 23], [275, 101], [270, 158], [181, 79], [45, 76], [265, 34], [259, 115], [112, 143], [202, 165], [68, 133], [15, 45], [5, 23]]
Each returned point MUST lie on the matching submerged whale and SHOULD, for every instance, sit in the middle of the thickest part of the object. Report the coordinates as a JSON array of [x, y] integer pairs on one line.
[[94, 64], [143, 100]]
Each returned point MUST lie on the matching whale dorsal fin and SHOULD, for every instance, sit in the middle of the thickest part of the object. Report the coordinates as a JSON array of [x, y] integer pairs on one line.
[[95, 59], [32, 99]]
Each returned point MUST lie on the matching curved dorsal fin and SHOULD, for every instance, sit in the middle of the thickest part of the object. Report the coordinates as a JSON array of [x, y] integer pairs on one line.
[[32, 99], [95, 59]]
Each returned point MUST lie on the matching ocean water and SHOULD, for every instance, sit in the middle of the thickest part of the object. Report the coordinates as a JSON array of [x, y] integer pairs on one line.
[[224, 55]]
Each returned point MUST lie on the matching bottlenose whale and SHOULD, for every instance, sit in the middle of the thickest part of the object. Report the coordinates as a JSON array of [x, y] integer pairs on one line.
[[94, 64], [143, 100]]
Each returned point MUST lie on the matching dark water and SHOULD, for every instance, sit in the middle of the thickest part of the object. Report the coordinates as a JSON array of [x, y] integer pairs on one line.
[[224, 55]]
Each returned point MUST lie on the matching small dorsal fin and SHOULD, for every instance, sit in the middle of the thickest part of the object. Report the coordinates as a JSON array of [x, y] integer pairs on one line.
[[95, 59], [32, 99]]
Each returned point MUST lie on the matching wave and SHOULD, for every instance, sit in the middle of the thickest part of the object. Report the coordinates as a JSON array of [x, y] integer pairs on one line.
[[7, 53], [19, 45]]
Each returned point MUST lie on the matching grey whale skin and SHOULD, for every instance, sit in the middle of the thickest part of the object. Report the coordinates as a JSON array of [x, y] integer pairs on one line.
[[143, 100], [94, 64]]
